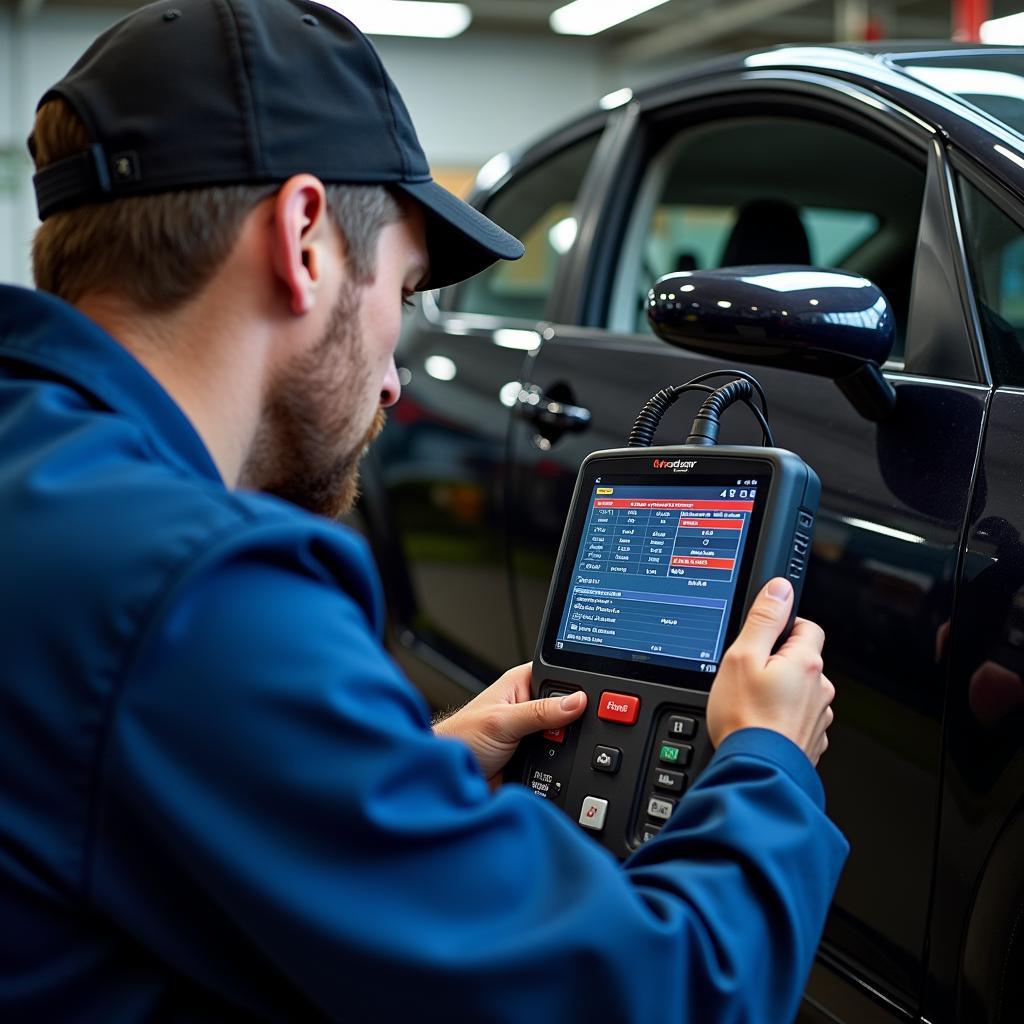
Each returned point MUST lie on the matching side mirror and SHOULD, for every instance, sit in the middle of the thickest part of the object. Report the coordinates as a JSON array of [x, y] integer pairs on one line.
[[831, 323]]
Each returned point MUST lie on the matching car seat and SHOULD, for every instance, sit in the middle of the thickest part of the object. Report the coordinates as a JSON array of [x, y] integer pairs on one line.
[[767, 231]]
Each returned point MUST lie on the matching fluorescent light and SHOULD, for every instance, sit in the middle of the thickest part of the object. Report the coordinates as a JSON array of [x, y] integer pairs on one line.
[[615, 99], [404, 17], [588, 17], [1009, 30]]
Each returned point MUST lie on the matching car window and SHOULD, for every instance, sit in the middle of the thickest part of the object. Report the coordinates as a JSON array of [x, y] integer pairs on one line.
[[537, 207], [991, 82], [995, 251], [771, 190]]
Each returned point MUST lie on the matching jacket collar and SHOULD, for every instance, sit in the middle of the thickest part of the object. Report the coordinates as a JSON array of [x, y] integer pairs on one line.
[[45, 332]]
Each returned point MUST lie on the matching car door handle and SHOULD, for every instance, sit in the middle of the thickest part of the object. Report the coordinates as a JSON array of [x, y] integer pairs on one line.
[[549, 415]]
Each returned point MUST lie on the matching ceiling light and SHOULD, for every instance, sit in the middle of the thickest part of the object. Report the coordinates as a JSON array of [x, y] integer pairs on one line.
[[404, 17], [1008, 31], [588, 17]]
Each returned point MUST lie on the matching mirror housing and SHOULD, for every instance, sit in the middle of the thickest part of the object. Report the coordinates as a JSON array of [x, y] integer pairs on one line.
[[831, 323]]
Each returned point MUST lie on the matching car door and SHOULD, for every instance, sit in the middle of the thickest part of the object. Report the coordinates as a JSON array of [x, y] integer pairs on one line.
[[867, 185], [434, 500], [976, 962]]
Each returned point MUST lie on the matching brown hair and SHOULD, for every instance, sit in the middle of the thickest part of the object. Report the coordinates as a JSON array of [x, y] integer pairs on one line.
[[160, 250]]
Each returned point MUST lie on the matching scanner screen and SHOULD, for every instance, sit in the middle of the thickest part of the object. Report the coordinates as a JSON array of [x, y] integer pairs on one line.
[[656, 569]]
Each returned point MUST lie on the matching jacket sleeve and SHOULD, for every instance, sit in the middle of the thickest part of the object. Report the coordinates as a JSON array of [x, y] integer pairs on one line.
[[276, 821]]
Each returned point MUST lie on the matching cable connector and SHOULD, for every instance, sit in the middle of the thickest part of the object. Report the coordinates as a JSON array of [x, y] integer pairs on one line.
[[704, 430]]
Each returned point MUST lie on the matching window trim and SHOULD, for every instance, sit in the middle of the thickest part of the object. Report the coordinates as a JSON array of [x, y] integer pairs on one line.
[[445, 299], [777, 95], [702, 99], [622, 293], [961, 165]]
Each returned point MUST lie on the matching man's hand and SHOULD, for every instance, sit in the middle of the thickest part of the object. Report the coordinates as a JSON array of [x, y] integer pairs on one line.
[[785, 691], [494, 722]]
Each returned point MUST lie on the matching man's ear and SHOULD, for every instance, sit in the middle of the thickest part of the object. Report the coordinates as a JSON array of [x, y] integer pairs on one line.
[[303, 240]]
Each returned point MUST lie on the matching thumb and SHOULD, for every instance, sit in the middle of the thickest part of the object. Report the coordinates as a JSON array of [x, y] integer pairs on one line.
[[546, 713], [767, 617]]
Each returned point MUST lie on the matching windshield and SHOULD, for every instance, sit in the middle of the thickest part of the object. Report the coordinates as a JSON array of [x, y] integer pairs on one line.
[[991, 82]]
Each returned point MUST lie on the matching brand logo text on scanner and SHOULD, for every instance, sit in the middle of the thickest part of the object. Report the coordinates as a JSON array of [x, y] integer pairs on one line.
[[678, 465]]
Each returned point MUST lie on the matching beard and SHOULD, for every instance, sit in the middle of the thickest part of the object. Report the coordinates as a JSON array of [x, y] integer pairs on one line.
[[308, 447]]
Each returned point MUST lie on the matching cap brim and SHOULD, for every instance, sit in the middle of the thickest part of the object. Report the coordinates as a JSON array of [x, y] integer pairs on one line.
[[461, 241]]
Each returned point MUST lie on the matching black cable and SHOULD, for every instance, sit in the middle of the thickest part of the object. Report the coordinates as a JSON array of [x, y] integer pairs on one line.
[[646, 424], [736, 374], [767, 441], [705, 424], [647, 420]]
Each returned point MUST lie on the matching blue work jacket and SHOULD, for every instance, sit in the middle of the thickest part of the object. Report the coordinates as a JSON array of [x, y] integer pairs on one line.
[[220, 799]]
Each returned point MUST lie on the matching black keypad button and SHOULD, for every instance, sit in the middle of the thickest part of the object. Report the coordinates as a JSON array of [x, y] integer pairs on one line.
[[679, 725], [606, 759], [674, 782], [649, 831]]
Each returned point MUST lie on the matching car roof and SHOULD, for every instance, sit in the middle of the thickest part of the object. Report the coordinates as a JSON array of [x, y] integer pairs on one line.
[[876, 67]]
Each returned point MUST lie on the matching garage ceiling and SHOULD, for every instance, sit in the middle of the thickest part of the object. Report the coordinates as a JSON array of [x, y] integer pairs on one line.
[[686, 25]]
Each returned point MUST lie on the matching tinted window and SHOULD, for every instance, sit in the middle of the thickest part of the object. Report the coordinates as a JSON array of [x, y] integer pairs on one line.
[[537, 207], [991, 82], [995, 249], [771, 190]]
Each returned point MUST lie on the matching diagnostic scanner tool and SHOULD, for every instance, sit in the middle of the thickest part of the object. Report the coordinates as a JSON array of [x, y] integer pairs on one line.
[[663, 552]]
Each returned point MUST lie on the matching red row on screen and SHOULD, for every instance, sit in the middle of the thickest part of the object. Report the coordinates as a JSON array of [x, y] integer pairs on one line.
[[640, 504], [704, 563]]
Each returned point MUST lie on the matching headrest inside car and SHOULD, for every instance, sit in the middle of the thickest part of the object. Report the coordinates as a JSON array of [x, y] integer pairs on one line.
[[767, 231]]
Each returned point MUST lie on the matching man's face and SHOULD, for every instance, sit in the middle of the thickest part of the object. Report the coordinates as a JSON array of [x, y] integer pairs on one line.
[[327, 404]]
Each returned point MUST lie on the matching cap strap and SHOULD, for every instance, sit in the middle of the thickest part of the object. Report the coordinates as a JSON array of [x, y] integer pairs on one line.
[[72, 181]]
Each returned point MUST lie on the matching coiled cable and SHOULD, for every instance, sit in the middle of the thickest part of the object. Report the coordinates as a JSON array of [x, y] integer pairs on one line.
[[704, 431]]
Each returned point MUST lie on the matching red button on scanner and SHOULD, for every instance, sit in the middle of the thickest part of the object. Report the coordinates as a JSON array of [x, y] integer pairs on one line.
[[555, 735], [618, 707]]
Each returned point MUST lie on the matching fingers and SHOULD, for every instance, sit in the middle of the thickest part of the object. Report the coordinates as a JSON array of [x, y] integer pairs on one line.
[[805, 634], [547, 713], [819, 743], [514, 685], [767, 618]]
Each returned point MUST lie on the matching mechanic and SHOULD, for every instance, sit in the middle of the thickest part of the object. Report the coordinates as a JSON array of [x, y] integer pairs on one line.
[[219, 798]]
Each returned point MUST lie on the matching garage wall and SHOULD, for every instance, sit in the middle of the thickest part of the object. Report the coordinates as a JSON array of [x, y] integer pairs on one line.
[[469, 97]]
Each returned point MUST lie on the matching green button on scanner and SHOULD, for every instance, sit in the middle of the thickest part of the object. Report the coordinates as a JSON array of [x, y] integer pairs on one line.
[[669, 753]]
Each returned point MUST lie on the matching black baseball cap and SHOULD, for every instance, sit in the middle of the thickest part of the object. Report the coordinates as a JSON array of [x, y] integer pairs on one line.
[[190, 93]]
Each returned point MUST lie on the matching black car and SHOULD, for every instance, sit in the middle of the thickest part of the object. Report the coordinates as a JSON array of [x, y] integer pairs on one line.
[[905, 167]]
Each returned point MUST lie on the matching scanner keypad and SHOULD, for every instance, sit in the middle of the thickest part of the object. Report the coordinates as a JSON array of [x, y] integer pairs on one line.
[[665, 783]]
